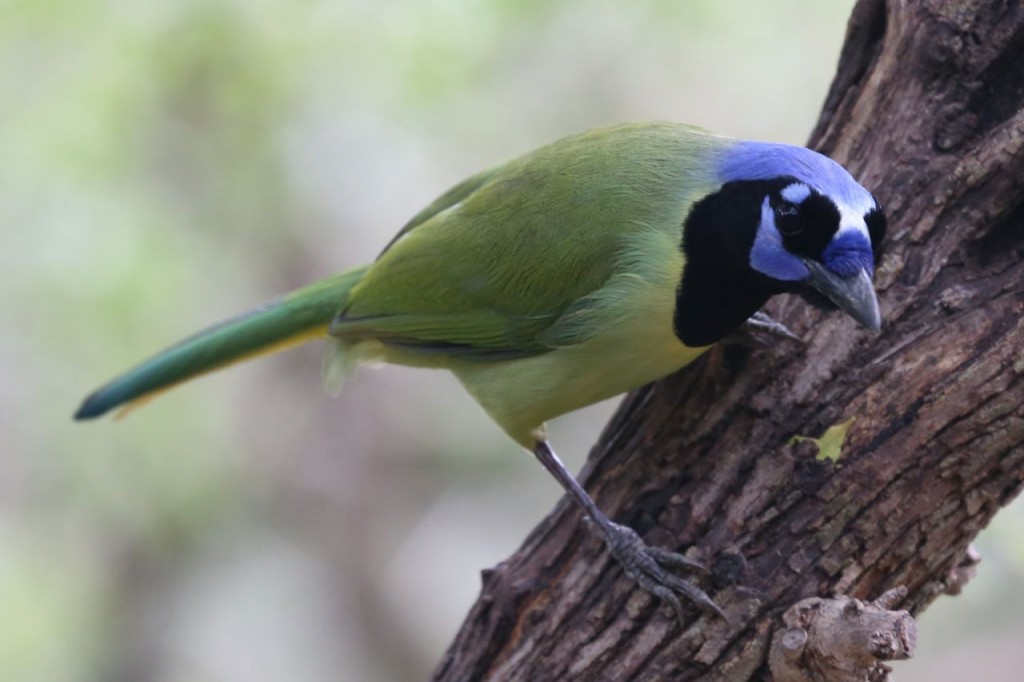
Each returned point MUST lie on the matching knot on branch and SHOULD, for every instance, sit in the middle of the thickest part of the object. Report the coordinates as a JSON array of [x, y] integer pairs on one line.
[[842, 639]]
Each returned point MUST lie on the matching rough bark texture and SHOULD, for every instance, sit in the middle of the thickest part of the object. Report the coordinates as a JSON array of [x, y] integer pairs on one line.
[[926, 110]]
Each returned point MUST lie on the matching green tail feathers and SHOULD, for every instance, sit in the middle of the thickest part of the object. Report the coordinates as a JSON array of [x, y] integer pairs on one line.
[[299, 316]]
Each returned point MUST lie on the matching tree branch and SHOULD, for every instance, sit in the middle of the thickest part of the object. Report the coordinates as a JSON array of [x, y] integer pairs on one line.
[[926, 110], [842, 639]]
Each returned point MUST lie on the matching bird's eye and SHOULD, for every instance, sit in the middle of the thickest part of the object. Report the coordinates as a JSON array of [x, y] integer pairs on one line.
[[788, 219]]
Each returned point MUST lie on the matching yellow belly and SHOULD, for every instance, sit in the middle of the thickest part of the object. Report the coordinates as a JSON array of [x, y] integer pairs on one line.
[[520, 395]]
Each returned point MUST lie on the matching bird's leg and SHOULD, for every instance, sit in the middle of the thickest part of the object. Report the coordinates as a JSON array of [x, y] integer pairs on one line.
[[763, 323], [646, 565]]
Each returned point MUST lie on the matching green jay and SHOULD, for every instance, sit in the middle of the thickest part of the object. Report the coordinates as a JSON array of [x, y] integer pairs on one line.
[[576, 272]]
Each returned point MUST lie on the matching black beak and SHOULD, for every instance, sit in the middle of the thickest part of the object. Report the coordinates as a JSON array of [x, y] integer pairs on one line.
[[854, 295]]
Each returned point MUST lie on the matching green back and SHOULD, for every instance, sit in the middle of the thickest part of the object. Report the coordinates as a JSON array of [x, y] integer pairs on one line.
[[512, 262]]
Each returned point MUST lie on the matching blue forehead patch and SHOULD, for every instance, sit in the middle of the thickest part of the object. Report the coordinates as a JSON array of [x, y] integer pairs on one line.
[[848, 253], [747, 160]]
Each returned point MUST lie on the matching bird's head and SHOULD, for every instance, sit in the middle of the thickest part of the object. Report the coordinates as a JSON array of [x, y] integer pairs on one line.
[[784, 218]]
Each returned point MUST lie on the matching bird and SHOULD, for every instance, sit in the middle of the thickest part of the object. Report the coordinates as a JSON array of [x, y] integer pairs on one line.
[[586, 268]]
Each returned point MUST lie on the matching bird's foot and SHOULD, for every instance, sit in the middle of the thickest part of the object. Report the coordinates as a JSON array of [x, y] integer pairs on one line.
[[648, 565], [644, 564], [762, 324]]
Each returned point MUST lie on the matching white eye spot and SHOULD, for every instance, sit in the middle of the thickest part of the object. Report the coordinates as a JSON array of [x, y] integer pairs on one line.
[[796, 193]]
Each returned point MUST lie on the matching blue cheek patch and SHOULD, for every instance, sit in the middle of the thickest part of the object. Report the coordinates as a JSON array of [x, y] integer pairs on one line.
[[778, 264], [849, 253], [769, 256]]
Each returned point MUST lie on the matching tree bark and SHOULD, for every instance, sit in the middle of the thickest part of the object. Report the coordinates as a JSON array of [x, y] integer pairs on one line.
[[926, 111]]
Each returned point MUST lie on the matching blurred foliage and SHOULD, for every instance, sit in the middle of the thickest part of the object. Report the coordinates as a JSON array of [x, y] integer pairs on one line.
[[165, 164]]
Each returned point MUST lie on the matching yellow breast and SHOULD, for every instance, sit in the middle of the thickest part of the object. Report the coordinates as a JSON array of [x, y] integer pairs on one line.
[[632, 343]]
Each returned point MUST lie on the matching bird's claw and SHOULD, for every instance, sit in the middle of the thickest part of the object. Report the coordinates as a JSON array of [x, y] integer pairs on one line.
[[646, 565], [763, 324]]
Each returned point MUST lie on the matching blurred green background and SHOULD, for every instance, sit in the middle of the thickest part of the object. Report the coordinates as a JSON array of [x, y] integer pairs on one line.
[[165, 164]]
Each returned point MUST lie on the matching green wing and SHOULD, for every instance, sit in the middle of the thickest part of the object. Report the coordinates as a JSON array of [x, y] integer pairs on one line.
[[516, 261], [446, 200]]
